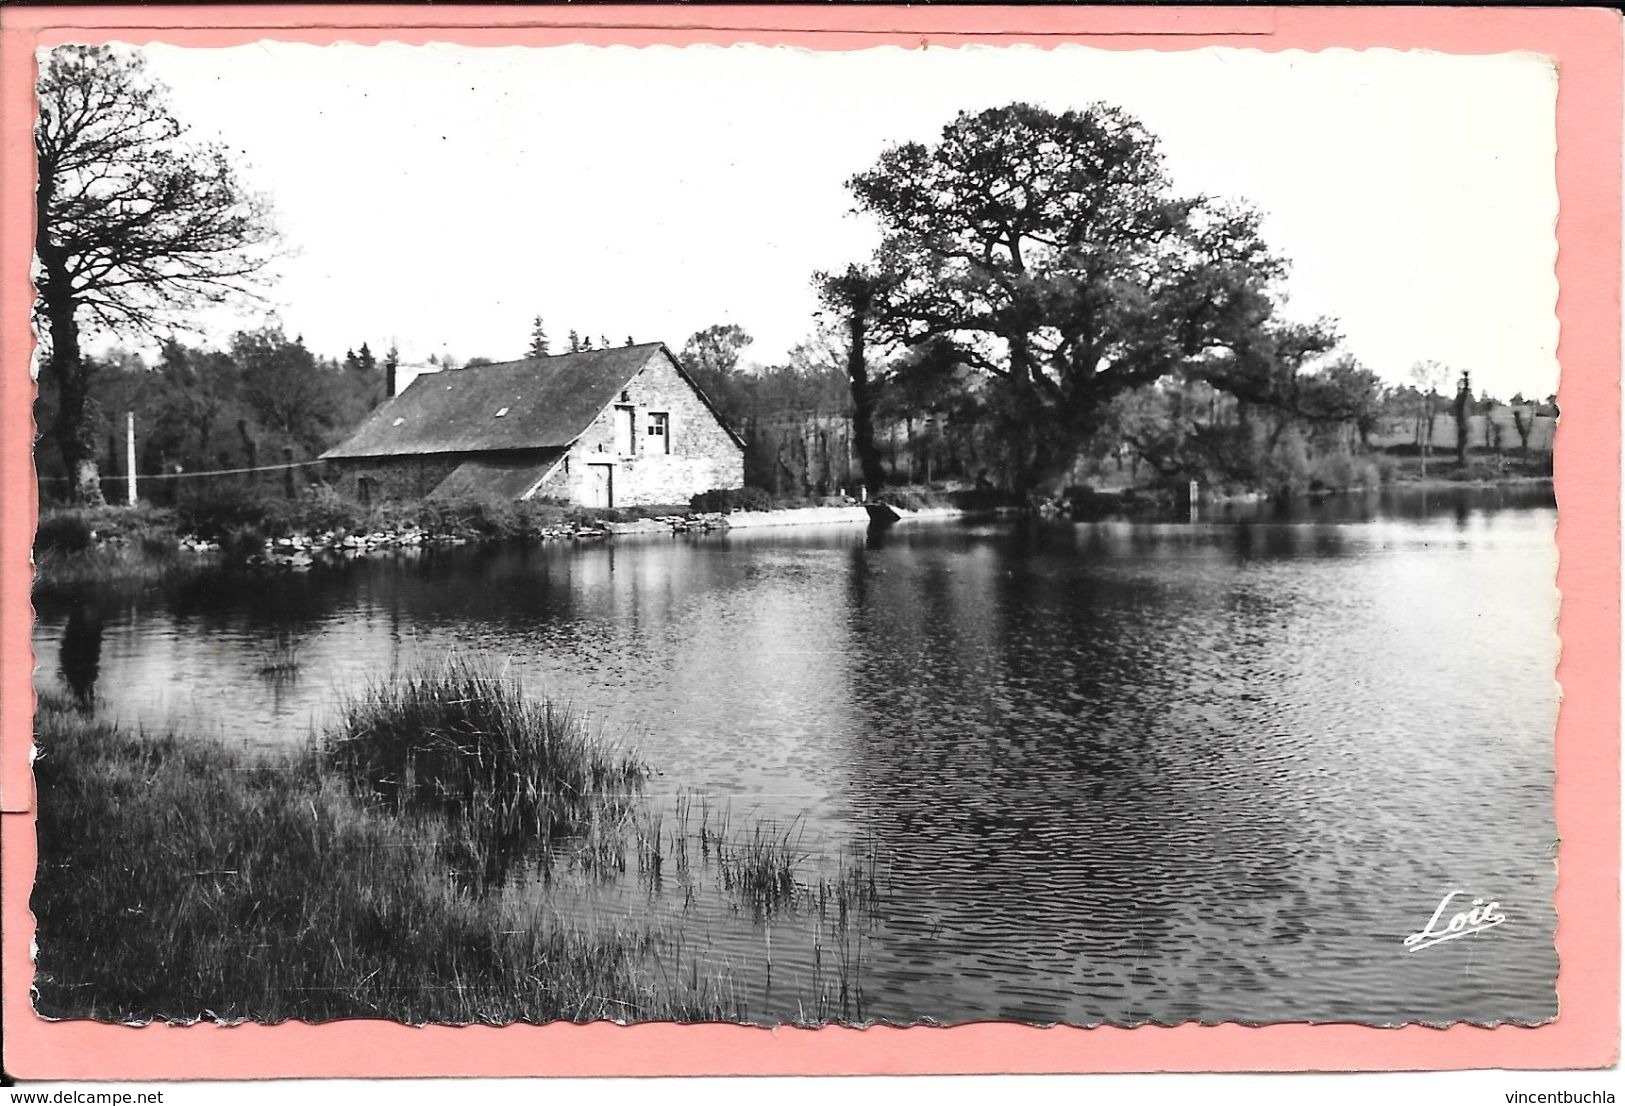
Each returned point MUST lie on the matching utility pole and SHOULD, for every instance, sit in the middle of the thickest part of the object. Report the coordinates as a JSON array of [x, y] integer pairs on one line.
[[1427, 434], [129, 457]]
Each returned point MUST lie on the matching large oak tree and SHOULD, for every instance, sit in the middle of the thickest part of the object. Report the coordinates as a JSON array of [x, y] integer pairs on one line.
[[135, 223], [1052, 251]]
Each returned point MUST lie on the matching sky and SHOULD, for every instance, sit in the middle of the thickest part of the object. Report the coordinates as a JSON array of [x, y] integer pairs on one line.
[[439, 197]]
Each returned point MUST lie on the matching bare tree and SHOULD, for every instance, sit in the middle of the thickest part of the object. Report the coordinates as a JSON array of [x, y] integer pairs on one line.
[[1524, 421], [1428, 377], [134, 222]]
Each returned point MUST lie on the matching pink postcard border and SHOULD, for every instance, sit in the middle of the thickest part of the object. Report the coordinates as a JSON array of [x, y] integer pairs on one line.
[[1586, 44]]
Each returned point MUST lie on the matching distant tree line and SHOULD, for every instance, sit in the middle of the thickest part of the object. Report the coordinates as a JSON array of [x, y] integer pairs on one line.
[[928, 423], [264, 398]]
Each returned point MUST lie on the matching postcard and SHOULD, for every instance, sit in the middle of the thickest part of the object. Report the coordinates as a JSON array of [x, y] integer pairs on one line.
[[791, 541]]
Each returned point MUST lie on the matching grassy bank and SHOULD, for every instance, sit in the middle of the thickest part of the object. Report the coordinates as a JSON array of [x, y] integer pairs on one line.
[[179, 880], [92, 544], [371, 873], [1482, 467]]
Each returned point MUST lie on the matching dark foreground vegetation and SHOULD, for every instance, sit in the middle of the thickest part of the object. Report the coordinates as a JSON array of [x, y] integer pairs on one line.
[[366, 876], [178, 881]]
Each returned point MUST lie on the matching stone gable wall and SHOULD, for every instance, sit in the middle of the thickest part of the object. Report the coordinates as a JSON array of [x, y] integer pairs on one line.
[[703, 455]]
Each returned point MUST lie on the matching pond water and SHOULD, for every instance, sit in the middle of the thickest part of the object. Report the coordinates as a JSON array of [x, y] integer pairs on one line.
[[1114, 771]]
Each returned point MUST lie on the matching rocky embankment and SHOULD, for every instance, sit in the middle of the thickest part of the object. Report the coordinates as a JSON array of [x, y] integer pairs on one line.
[[303, 550]]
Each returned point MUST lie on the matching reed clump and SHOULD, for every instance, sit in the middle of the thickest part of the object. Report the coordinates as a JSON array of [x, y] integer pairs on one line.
[[465, 739], [759, 866], [764, 867], [280, 656]]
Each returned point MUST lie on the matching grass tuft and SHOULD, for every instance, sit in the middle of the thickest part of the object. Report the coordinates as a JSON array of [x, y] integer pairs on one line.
[[462, 738]]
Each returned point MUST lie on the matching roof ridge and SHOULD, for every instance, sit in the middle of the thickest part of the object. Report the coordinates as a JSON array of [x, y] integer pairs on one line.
[[472, 410], [556, 356]]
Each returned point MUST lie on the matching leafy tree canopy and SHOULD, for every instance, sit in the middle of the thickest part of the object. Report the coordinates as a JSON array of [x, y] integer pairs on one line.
[[1052, 252], [716, 349]]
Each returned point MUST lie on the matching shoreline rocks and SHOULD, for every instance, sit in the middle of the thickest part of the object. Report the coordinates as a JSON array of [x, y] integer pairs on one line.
[[304, 550]]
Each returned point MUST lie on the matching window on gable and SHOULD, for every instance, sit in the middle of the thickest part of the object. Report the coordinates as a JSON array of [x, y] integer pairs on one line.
[[660, 428]]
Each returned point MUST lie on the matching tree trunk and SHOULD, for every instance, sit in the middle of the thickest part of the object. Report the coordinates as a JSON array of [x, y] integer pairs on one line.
[[1025, 475], [849, 459], [1523, 427], [863, 400], [908, 447], [252, 449], [1052, 447], [76, 409], [66, 369]]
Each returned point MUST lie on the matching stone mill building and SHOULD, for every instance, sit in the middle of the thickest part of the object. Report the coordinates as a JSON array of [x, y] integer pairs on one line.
[[601, 428]]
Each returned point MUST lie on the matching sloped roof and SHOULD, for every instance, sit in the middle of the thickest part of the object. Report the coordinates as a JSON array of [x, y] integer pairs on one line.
[[548, 402], [495, 477]]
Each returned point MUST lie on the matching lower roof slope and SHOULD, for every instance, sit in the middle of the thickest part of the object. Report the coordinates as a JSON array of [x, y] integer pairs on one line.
[[495, 478]]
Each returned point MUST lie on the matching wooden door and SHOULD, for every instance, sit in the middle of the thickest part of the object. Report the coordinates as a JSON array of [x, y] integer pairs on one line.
[[625, 437], [600, 485]]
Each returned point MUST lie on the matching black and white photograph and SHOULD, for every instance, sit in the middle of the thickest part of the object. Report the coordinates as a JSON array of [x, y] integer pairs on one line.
[[795, 537]]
